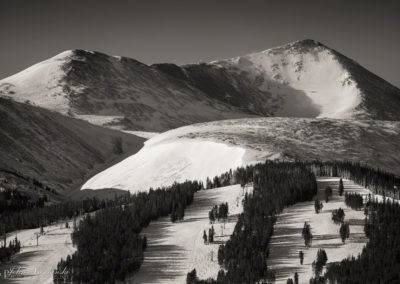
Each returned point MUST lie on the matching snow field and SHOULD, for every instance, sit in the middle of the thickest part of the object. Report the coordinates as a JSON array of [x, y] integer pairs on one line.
[[162, 164]]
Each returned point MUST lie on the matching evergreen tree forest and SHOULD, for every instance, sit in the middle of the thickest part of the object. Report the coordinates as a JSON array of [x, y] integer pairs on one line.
[[244, 256], [11, 200], [378, 181], [379, 261], [109, 244], [276, 185], [29, 217], [7, 251]]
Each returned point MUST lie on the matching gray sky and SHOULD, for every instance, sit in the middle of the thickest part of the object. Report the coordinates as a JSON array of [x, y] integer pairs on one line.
[[191, 31]]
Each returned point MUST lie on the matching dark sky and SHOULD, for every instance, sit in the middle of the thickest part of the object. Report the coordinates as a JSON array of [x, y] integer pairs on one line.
[[190, 31]]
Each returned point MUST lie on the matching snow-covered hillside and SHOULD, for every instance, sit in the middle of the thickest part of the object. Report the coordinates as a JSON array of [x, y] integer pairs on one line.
[[305, 81], [163, 164], [207, 149], [300, 79], [40, 84], [117, 92]]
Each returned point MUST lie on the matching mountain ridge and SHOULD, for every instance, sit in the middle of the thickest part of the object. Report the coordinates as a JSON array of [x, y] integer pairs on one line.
[[304, 78], [278, 78], [121, 92]]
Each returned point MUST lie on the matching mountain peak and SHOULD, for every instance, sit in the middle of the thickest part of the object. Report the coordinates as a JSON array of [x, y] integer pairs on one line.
[[307, 42], [298, 46]]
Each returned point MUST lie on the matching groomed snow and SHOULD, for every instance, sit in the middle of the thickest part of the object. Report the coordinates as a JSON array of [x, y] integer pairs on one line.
[[174, 249], [162, 164], [287, 240], [35, 264]]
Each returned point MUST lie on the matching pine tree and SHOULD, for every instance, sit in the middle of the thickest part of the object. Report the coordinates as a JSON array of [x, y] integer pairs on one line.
[[317, 205], [338, 215], [301, 256], [191, 277], [74, 223], [4, 237], [307, 235], [328, 193], [344, 231], [144, 245], [211, 233], [173, 216], [321, 260], [205, 236], [341, 187]]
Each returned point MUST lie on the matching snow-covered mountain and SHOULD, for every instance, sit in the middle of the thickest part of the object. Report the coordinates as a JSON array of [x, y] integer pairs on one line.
[[300, 79], [203, 150], [114, 91]]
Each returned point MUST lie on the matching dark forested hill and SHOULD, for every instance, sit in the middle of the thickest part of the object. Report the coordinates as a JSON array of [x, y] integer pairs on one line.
[[46, 149]]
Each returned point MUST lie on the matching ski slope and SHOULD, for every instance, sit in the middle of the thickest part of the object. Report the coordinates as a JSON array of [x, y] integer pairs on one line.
[[174, 249], [287, 241], [35, 264]]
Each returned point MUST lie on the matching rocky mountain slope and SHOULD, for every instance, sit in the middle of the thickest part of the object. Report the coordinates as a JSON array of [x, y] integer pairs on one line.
[[52, 151], [114, 91], [301, 79]]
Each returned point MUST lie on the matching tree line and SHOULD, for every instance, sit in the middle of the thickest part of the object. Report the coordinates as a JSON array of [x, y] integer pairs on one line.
[[377, 180], [379, 261], [7, 251], [11, 200], [31, 217], [276, 185], [109, 244]]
